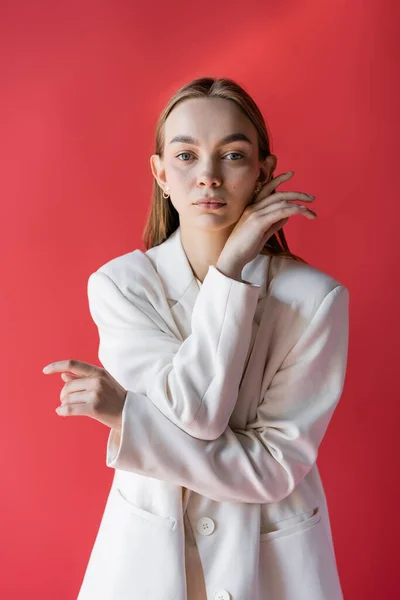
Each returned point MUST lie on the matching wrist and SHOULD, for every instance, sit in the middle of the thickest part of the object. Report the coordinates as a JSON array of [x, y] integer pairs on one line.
[[233, 272]]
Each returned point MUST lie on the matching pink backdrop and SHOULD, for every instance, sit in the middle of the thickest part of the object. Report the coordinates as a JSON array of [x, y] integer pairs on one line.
[[82, 84]]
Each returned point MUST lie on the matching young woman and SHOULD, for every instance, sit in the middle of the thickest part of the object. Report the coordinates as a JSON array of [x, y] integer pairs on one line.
[[224, 358]]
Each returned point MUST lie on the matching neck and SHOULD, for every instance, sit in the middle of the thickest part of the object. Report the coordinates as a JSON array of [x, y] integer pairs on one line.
[[203, 247]]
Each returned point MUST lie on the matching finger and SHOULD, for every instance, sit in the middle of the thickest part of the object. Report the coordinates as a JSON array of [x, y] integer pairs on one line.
[[283, 196], [68, 395], [79, 384], [68, 376], [293, 195], [76, 367], [283, 204], [73, 410], [286, 211], [279, 178], [269, 187], [75, 398]]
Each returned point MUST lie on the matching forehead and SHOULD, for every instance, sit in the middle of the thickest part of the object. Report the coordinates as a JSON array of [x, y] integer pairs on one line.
[[207, 119]]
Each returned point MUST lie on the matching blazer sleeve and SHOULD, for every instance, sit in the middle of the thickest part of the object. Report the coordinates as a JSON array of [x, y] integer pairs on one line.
[[265, 461], [193, 383]]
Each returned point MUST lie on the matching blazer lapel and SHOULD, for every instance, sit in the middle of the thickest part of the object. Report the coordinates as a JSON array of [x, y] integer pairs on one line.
[[180, 285]]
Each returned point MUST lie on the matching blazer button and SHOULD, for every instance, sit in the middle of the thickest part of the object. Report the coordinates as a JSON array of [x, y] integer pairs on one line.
[[222, 595], [205, 526]]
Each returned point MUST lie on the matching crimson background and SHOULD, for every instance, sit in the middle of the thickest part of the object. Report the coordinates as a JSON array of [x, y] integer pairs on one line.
[[82, 84]]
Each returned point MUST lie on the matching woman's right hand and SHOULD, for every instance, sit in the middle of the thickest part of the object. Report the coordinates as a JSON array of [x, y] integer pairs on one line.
[[268, 212]]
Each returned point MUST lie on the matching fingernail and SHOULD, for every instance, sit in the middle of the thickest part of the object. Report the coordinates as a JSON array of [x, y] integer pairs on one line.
[[312, 197]]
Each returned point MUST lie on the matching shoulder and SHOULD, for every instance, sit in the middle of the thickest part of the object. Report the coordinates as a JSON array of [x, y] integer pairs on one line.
[[126, 289], [130, 272], [127, 284], [292, 280], [302, 298]]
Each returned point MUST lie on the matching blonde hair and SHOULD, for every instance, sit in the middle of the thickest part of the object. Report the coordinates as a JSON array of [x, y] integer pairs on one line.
[[163, 218]]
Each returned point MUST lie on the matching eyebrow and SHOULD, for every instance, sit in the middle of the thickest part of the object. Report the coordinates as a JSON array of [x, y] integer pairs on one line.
[[232, 137]]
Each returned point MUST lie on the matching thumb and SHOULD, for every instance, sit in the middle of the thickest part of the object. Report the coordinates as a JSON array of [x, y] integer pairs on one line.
[[69, 376]]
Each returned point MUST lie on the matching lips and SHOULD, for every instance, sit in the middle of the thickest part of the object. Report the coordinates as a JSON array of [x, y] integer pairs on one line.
[[213, 201], [210, 206]]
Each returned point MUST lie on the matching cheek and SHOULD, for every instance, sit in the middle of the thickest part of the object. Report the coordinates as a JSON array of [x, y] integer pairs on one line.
[[179, 177], [243, 185], [242, 178]]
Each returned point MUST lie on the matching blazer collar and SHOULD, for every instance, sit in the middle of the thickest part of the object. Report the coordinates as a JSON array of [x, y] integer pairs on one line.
[[176, 273]]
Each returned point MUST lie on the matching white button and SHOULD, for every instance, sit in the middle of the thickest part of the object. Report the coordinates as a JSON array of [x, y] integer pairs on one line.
[[222, 595], [205, 526]]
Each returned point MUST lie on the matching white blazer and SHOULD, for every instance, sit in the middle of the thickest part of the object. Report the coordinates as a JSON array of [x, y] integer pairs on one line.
[[231, 388]]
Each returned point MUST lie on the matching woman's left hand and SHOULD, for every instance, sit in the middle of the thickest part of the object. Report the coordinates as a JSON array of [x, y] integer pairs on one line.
[[89, 392]]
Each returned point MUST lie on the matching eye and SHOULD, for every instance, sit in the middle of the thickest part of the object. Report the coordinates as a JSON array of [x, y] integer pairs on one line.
[[189, 154], [238, 153], [182, 153]]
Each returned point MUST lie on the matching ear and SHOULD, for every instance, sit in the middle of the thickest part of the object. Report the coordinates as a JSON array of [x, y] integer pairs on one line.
[[267, 168], [158, 170]]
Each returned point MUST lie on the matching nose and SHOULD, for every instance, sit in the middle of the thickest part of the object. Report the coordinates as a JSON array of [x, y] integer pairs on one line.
[[209, 173], [208, 180]]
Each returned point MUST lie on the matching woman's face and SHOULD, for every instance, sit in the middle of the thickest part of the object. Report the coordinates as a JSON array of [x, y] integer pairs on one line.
[[204, 166]]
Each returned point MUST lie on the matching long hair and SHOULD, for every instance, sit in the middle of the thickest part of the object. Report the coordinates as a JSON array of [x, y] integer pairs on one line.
[[163, 218]]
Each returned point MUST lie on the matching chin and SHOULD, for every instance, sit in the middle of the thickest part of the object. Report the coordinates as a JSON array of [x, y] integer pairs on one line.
[[210, 222]]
